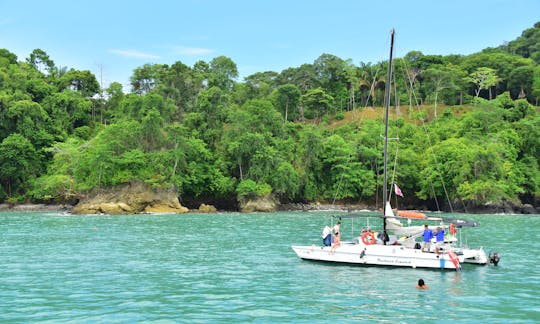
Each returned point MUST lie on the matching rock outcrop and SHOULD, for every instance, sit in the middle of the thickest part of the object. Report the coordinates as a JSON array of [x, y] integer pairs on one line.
[[204, 208], [261, 204], [132, 198]]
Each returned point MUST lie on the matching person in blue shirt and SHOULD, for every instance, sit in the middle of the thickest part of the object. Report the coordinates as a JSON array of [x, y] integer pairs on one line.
[[439, 238], [428, 235], [439, 235]]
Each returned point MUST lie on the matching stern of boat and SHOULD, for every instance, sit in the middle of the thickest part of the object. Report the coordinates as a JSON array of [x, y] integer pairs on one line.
[[474, 256]]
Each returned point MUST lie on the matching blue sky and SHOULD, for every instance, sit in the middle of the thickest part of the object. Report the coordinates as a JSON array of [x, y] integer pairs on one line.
[[112, 38]]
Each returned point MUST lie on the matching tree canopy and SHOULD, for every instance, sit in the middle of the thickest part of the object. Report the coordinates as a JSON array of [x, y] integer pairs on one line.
[[468, 128]]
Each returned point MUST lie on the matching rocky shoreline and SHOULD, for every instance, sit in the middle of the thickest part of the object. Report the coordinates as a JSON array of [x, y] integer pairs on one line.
[[35, 208], [524, 209], [139, 198]]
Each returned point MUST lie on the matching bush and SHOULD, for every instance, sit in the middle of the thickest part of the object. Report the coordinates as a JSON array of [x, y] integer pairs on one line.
[[250, 189]]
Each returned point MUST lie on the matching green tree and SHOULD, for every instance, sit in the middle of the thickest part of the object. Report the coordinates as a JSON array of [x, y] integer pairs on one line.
[[67, 110], [342, 175], [484, 79], [180, 84], [315, 103], [41, 61], [222, 72], [332, 75], [285, 181], [250, 136], [146, 78], [260, 85], [304, 77], [111, 109], [39, 89], [30, 120], [286, 98], [104, 162], [151, 126], [520, 82], [83, 81], [441, 78], [7, 58], [19, 162]]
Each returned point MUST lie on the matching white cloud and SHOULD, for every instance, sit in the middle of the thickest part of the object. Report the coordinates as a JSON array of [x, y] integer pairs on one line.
[[192, 50], [134, 54]]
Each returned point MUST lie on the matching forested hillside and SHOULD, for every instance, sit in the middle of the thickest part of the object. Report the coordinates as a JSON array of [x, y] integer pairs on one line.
[[468, 128]]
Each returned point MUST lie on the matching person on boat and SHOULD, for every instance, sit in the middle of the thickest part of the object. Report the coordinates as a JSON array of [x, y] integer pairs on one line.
[[337, 236], [439, 237], [327, 236], [428, 235], [337, 228], [421, 284], [383, 237]]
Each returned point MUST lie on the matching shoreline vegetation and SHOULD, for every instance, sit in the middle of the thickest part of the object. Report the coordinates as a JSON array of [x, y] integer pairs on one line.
[[468, 128]]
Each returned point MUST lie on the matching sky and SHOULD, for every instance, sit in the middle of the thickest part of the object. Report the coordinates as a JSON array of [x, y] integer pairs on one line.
[[112, 38]]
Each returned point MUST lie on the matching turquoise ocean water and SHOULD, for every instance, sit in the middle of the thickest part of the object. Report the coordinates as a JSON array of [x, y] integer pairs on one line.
[[208, 268]]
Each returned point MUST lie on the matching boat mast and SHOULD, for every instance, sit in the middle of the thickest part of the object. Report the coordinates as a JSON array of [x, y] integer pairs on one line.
[[387, 106]]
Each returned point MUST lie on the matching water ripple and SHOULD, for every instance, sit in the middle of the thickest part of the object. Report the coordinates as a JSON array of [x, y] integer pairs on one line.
[[239, 267]]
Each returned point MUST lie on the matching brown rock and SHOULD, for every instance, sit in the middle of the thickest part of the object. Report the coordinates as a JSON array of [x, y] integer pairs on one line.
[[261, 204], [165, 208], [204, 208], [132, 198]]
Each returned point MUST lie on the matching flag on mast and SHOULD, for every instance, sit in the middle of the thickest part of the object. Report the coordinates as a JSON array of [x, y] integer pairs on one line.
[[397, 190]]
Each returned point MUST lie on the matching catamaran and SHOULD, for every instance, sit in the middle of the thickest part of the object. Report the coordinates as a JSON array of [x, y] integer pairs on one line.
[[371, 248]]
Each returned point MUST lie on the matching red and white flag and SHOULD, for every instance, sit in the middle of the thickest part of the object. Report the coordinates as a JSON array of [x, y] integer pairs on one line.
[[397, 190]]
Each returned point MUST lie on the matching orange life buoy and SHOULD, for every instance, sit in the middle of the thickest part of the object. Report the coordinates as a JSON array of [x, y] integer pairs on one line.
[[411, 214], [365, 238], [452, 229]]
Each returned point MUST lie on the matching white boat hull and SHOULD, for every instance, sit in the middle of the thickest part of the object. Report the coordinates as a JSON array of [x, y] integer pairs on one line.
[[379, 255], [473, 256]]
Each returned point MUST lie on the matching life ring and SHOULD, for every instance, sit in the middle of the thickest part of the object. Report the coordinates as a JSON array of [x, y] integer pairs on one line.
[[365, 238], [452, 229], [411, 214]]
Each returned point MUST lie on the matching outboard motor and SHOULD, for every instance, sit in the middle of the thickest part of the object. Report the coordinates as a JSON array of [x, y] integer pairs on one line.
[[494, 258]]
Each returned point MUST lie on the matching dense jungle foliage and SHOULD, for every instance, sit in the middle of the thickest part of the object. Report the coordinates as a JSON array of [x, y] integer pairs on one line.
[[467, 125]]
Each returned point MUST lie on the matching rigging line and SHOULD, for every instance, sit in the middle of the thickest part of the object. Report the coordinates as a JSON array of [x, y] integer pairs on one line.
[[372, 87], [424, 127], [340, 181], [396, 103]]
